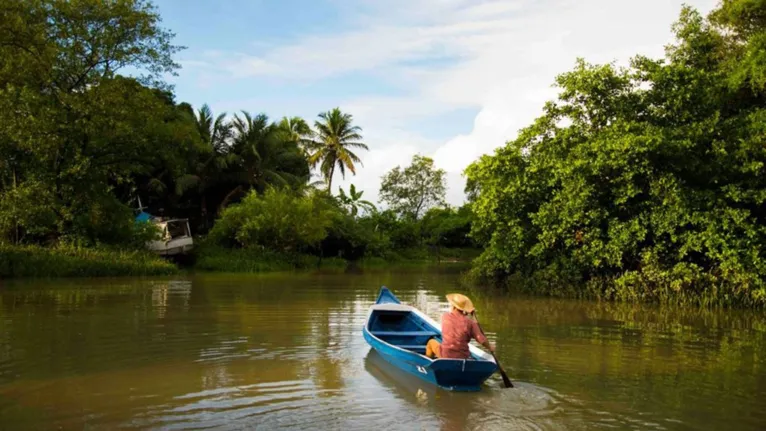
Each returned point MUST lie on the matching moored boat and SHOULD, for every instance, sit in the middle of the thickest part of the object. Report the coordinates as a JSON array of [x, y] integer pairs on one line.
[[175, 234], [399, 332]]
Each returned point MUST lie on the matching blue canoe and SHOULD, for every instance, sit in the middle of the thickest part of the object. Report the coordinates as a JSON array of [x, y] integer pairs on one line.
[[399, 333]]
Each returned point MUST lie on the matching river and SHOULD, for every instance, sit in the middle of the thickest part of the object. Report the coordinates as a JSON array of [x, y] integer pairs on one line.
[[286, 352]]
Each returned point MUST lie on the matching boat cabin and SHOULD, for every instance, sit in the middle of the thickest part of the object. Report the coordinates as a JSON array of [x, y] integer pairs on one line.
[[176, 237]]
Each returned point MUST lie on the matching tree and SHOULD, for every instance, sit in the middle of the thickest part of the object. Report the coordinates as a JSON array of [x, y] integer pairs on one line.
[[332, 147], [214, 157], [74, 128], [276, 219], [412, 191], [353, 200], [447, 227], [267, 156], [655, 189], [297, 131]]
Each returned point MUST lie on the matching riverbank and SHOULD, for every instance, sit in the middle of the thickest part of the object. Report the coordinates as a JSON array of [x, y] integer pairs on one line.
[[219, 259], [657, 287], [62, 261]]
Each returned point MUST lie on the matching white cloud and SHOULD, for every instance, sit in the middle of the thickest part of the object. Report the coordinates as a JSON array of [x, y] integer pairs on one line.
[[503, 57], [393, 148]]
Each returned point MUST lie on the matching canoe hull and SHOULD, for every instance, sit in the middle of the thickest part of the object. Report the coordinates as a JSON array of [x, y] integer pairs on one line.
[[399, 332], [410, 363]]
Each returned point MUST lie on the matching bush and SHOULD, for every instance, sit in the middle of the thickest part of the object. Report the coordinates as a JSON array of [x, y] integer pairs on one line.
[[278, 220]]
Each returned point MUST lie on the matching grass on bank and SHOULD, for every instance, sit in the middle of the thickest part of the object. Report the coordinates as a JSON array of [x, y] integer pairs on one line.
[[63, 261], [67, 261], [219, 259]]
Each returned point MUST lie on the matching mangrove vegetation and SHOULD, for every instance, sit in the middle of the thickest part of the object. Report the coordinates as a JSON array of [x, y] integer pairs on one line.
[[645, 182]]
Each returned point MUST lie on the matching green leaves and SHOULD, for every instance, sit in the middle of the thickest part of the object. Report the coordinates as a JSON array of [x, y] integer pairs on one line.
[[72, 126], [334, 143], [655, 189], [411, 191], [70, 46], [277, 220], [353, 201]]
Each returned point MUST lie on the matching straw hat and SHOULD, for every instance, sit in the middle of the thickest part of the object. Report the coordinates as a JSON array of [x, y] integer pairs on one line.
[[461, 302]]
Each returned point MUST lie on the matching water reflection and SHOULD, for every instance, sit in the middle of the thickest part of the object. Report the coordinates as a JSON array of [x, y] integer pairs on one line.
[[178, 290], [283, 351]]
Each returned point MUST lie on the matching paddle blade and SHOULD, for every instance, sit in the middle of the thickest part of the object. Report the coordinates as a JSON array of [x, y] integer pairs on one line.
[[506, 380]]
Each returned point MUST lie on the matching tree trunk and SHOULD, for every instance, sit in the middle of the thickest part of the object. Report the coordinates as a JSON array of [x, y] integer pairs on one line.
[[329, 179], [203, 205], [227, 198]]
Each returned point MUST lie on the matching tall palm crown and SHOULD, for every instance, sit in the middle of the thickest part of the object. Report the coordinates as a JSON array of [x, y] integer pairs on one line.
[[335, 139], [214, 133], [295, 130], [266, 156]]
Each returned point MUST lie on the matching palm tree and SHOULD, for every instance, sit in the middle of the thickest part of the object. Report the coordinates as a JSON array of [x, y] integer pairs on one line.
[[267, 154], [215, 134], [353, 201], [296, 130], [336, 136], [256, 143]]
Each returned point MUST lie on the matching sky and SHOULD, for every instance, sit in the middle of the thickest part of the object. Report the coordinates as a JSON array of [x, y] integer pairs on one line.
[[449, 79]]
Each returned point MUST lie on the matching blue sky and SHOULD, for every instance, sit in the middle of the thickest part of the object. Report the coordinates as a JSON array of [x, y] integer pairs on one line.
[[451, 79]]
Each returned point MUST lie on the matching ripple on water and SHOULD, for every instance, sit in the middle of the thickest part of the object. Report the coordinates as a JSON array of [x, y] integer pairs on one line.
[[288, 353], [267, 405]]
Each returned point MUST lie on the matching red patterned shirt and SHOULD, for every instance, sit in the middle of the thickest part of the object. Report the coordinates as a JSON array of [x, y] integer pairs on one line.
[[457, 331]]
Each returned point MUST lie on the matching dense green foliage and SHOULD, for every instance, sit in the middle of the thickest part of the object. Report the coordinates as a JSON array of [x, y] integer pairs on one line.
[[315, 223], [641, 183], [80, 144], [71, 129], [275, 220], [353, 201], [413, 190]]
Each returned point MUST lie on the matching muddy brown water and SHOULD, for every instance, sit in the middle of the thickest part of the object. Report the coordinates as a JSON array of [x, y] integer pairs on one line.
[[285, 351]]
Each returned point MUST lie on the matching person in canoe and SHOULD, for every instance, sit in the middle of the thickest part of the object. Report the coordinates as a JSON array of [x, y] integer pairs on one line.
[[458, 328]]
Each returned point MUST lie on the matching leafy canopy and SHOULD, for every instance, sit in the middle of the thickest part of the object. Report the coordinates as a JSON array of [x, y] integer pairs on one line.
[[411, 191], [277, 219], [642, 183], [71, 128]]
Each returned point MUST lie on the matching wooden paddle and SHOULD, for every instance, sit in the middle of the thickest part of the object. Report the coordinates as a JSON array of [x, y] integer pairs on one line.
[[506, 380]]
